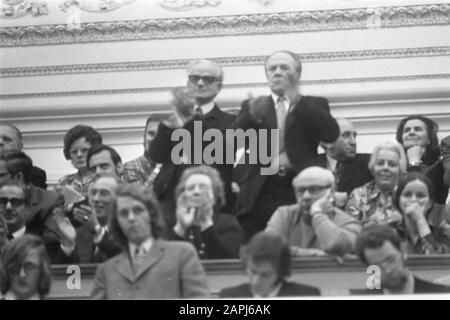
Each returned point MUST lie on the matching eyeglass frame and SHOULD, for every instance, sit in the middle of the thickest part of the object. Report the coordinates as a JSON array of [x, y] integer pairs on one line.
[[8, 200], [317, 191], [207, 80]]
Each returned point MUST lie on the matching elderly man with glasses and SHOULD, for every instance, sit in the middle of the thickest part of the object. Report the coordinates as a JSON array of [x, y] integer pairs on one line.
[[193, 105], [314, 226]]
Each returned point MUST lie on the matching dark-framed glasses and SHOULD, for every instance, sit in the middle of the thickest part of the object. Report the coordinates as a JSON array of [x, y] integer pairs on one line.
[[313, 190], [206, 79], [15, 202]]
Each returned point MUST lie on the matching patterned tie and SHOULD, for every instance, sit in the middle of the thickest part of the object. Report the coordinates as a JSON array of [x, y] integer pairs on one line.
[[281, 117]]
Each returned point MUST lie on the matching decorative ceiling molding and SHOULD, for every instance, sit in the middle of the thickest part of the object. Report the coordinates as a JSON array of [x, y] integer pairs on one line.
[[229, 86], [94, 5], [15, 9], [185, 5], [286, 22], [136, 66]]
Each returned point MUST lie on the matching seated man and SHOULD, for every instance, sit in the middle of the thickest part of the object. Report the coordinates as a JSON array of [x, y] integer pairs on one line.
[[148, 267], [92, 241], [15, 168], [25, 269], [379, 245], [350, 168], [314, 226], [200, 197], [14, 212], [268, 264]]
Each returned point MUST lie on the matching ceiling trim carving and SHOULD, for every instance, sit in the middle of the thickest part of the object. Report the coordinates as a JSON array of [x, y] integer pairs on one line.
[[286, 22], [136, 66]]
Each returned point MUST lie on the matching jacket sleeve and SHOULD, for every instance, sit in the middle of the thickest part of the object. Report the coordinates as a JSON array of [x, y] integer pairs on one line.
[[99, 287], [193, 277], [223, 242], [326, 126], [161, 146], [336, 236]]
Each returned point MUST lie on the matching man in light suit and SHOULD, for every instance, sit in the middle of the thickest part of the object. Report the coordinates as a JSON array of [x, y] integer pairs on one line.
[[303, 121], [148, 267]]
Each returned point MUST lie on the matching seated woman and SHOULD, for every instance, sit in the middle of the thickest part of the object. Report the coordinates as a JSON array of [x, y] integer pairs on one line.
[[373, 202], [424, 227], [418, 136], [148, 267], [200, 196], [77, 142], [25, 269]]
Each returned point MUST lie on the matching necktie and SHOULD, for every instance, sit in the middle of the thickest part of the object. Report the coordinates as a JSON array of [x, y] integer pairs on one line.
[[337, 174], [281, 116], [139, 257], [199, 111]]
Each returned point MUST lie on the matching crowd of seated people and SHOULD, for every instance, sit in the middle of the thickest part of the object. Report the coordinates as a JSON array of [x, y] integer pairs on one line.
[[150, 221]]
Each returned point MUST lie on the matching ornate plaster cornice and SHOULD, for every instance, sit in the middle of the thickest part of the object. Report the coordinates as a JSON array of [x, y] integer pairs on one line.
[[230, 86], [135, 66], [285, 22]]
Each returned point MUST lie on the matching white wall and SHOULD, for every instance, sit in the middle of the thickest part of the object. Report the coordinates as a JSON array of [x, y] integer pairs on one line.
[[375, 64]]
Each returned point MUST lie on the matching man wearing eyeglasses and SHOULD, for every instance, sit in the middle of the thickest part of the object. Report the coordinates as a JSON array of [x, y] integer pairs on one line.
[[314, 226], [195, 103], [15, 168]]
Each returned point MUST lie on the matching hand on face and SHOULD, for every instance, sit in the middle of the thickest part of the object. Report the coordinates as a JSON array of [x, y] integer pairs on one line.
[[415, 211], [323, 204]]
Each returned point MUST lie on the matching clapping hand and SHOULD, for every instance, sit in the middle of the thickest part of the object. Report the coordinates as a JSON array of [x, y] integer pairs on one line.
[[85, 215], [65, 230], [183, 104], [257, 107]]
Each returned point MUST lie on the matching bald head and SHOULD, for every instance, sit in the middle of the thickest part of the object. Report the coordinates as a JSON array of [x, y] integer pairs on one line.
[[313, 176]]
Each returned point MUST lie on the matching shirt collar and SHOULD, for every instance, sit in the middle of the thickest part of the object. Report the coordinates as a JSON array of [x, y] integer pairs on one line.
[[146, 245], [207, 107], [19, 233], [275, 98], [331, 163]]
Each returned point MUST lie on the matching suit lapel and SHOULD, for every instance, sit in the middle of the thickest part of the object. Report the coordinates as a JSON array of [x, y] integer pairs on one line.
[[124, 266], [291, 115], [156, 253]]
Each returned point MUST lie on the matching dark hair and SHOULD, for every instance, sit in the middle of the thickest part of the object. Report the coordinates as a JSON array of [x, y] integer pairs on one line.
[[292, 54], [373, 237], [15, 252], [145, 195], [432, 151], [77, 132], [26, 192], [273, 248], [115, 157], [211, 173], [17, 161], [412, 176]]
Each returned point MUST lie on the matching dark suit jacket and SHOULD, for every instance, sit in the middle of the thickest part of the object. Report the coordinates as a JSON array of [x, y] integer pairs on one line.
[[38, 177], [171, 270], [289, 289], [85, 247], [39, 220], [307, 123], [220, 241], [161, 147], [355, 172]]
